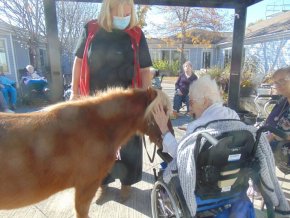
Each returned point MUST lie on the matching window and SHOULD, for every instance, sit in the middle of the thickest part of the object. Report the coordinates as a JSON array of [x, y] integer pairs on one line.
[[3, 56], [186, 55], [206, 59], [175, 56], [165, 55], [43, 58], [227, 57], [154, 53], [170, 55]]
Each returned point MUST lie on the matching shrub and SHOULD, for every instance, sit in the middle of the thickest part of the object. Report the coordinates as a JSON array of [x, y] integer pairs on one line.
[[164, 65]]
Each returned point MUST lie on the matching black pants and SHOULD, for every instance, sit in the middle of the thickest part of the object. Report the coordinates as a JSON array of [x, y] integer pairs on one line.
[[129, 168]]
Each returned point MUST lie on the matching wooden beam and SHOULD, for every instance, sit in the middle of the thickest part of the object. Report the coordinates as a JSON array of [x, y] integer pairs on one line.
[[237, 54], [56, 79], [189, 3]]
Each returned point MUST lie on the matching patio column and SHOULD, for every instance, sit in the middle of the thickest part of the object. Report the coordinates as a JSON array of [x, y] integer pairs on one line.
[[56, 78], [237, 55]]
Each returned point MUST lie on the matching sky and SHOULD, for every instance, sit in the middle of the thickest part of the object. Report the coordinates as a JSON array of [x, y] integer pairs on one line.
[[256, 12], [260, 10]]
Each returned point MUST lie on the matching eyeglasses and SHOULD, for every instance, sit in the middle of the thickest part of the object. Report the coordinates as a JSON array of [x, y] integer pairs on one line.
[[281, 82]]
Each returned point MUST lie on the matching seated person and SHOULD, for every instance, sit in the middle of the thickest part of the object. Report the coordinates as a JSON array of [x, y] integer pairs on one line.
[[206, 104], [280, 115], [33, 81], [3, 105], [181, 88], [8, 90], [156, 81]]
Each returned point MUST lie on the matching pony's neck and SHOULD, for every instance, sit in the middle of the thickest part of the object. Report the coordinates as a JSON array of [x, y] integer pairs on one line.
[[117, 118]]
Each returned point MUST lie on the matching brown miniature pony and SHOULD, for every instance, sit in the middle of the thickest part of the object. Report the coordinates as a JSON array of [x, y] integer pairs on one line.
[[71, 144]]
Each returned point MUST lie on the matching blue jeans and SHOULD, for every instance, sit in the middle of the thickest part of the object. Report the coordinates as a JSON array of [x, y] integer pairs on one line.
[[36, 84], [178, 100], [10, 94]]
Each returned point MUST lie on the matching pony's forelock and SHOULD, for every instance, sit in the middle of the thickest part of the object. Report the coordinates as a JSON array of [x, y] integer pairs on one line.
[[160, 98]]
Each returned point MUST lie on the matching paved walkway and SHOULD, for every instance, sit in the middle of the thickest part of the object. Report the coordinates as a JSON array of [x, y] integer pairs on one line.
[[138, 206]]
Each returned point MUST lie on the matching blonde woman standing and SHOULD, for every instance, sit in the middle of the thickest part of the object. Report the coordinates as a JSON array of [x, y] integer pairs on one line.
[[110, 60]]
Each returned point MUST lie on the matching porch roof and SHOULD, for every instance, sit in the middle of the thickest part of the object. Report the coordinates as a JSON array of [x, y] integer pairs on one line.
[[190, 3], [240, 7]]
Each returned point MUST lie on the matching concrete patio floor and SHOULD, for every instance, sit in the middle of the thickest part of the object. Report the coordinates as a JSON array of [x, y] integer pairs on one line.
[[61, 205]]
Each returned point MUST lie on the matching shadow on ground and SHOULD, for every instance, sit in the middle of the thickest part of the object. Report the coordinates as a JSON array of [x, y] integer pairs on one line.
[[137, 196]]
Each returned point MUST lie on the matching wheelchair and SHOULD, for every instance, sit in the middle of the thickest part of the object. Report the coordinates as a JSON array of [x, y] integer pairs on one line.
[[281, 150], [224, 165], [37, 93]]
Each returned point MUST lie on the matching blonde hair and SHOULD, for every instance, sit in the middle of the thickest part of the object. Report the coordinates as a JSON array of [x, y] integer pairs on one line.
[[105, 19]]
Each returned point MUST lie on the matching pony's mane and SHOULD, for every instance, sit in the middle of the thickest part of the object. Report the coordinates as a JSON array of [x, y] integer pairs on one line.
[[98, 96], [162, 99]]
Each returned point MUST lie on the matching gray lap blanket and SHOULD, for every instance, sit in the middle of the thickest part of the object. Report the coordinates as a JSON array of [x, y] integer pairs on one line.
[[185, 164]]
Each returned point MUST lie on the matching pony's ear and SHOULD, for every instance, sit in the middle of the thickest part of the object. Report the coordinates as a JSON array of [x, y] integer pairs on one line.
[[151, 94]]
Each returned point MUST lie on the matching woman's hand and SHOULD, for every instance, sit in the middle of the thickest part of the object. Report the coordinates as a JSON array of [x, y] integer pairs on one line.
[[270, 137], [161, 118], [178, 92]]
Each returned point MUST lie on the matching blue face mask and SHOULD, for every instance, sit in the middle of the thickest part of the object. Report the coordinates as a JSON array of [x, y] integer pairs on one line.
[[121, 22]]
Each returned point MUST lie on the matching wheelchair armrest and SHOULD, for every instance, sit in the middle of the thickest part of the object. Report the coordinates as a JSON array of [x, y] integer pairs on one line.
[[264, 96], [164, 156], [208, 137], [274, 130]]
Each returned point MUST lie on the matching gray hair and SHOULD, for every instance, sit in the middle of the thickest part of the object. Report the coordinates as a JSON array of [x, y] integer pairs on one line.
[[205, 87], [187, 63], [28, 67]]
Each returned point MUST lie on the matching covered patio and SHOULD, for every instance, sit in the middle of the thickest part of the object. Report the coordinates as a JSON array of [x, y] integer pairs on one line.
[[138, 206], [240, 7]]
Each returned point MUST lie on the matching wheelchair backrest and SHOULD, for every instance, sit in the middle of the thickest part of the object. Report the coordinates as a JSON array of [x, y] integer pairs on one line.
[[223, 167]]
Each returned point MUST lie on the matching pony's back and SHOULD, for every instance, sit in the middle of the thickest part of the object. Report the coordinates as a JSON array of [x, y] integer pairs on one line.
[[71, 144]]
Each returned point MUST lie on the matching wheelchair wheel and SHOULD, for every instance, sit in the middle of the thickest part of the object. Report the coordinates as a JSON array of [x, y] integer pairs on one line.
[[269, 105], [163, 203]]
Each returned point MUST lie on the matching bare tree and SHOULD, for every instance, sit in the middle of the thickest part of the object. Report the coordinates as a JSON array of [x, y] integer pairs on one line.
[[141, 11], [26, 18], [184, 24], [27, 21], [72, 16], [269, 55]]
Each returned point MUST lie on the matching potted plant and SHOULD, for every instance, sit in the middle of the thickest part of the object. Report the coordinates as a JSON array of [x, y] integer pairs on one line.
[[247, 85], [250, 78]]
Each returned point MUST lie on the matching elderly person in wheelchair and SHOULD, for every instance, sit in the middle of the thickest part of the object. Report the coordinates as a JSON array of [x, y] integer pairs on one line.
[[211, 165], [33, 81], [280, 119]]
